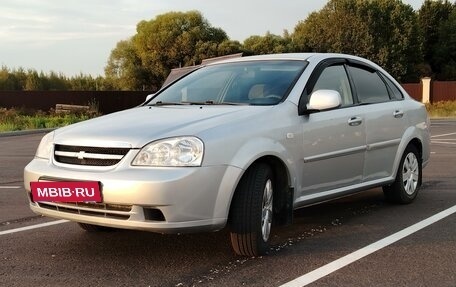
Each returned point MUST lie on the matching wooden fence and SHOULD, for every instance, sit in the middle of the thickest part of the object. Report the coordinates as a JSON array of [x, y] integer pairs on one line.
[[107, 101], [439, 91], [414, 90]]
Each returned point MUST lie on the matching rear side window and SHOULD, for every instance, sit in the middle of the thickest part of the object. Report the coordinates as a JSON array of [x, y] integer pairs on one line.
[[397, 94], [369, 86]]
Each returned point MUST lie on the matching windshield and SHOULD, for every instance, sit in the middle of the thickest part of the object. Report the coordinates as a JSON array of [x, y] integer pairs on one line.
[[250, 83]]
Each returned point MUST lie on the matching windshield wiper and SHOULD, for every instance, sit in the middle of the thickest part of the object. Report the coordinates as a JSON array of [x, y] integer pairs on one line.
[[160, 103], [199, 103], [210, 103], [233, 104]]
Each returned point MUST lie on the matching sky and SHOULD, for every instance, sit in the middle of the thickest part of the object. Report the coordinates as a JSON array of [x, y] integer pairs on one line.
[[77, 36]]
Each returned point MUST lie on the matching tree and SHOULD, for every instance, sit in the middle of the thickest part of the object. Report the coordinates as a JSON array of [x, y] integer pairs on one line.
[[211, 49], [34, 81], [82, 82], [8, 80], [437, 26], [268, 44], [228, 47], [124, 70], [444, 54], [430, 16], [57, 82], [384, 31], [21, 77], [335, 28], [169, 41]]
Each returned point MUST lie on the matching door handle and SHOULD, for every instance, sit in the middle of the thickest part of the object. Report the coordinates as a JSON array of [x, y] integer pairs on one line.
[[398, 114], [355, 121]]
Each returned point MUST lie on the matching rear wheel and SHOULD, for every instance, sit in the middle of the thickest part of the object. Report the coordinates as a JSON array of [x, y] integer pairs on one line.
[[408, 178], [252, 211]]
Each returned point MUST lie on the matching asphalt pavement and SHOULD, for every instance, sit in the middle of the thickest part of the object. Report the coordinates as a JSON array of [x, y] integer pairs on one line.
[[62, 254]]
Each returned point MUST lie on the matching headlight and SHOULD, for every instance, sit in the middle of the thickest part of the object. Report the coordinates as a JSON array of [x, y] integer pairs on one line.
[[45, 148], [180, 151]]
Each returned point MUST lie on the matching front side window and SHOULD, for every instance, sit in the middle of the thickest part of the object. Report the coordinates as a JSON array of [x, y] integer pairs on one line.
[[253, 83], [335, 78], [369, 86]]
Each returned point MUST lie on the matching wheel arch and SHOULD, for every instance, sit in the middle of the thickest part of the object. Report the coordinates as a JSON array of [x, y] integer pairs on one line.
[[403, 190], [415, 142], [418, 145], [411, 136], [283, 191]]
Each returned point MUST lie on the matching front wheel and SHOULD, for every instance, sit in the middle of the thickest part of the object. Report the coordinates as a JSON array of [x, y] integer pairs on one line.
[[408, 178], [252, 211]]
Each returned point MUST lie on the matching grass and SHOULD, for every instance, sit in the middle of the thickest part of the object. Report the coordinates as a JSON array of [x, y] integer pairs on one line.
[[18, 120], [444, 109]]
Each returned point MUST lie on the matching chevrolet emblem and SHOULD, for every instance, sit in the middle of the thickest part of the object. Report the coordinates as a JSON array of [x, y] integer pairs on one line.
[[81, 155]]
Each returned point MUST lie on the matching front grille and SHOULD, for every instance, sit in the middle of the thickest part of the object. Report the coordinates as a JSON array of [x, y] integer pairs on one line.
[[92, 156], [114, 211]]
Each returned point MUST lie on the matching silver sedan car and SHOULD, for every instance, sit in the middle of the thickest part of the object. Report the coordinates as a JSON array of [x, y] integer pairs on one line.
[[238, 143]]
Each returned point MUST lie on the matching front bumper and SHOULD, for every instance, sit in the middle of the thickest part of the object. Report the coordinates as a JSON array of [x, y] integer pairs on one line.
[[190, 199]]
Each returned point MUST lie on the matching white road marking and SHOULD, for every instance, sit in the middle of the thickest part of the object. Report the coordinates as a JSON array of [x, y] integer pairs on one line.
[[443, 135], [11, 186], [32, 227], [440, 142], [357, 255]]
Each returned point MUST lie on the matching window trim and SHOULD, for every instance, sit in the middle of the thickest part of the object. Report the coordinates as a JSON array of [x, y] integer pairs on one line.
[[385, 79], [370, 69], [347, 63], [313, 78]]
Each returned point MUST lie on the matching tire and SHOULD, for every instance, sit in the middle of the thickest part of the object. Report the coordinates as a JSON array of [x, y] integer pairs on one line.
[[252, 212], [408, 178], [94, 228]]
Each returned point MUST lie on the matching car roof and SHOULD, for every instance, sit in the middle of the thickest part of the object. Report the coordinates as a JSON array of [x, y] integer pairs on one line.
[[285, 56], [310, 57]]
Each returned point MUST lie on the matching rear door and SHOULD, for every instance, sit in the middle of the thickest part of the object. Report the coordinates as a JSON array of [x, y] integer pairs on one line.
[[384, 116]]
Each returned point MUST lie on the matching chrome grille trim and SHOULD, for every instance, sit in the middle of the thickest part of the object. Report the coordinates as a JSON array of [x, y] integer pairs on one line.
[[83, 155], [88, 156]]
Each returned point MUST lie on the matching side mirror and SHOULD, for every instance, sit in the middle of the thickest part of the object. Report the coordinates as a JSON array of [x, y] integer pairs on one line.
[[324, 100]]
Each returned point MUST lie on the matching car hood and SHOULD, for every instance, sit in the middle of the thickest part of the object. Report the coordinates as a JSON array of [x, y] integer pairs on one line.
[[136, 127]]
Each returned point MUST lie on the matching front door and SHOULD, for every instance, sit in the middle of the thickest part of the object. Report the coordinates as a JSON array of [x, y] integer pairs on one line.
[[334, 141]]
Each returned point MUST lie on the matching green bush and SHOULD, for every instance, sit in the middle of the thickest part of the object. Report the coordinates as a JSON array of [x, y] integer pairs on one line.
[[17, 119], [6, 127], [443, 109]]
